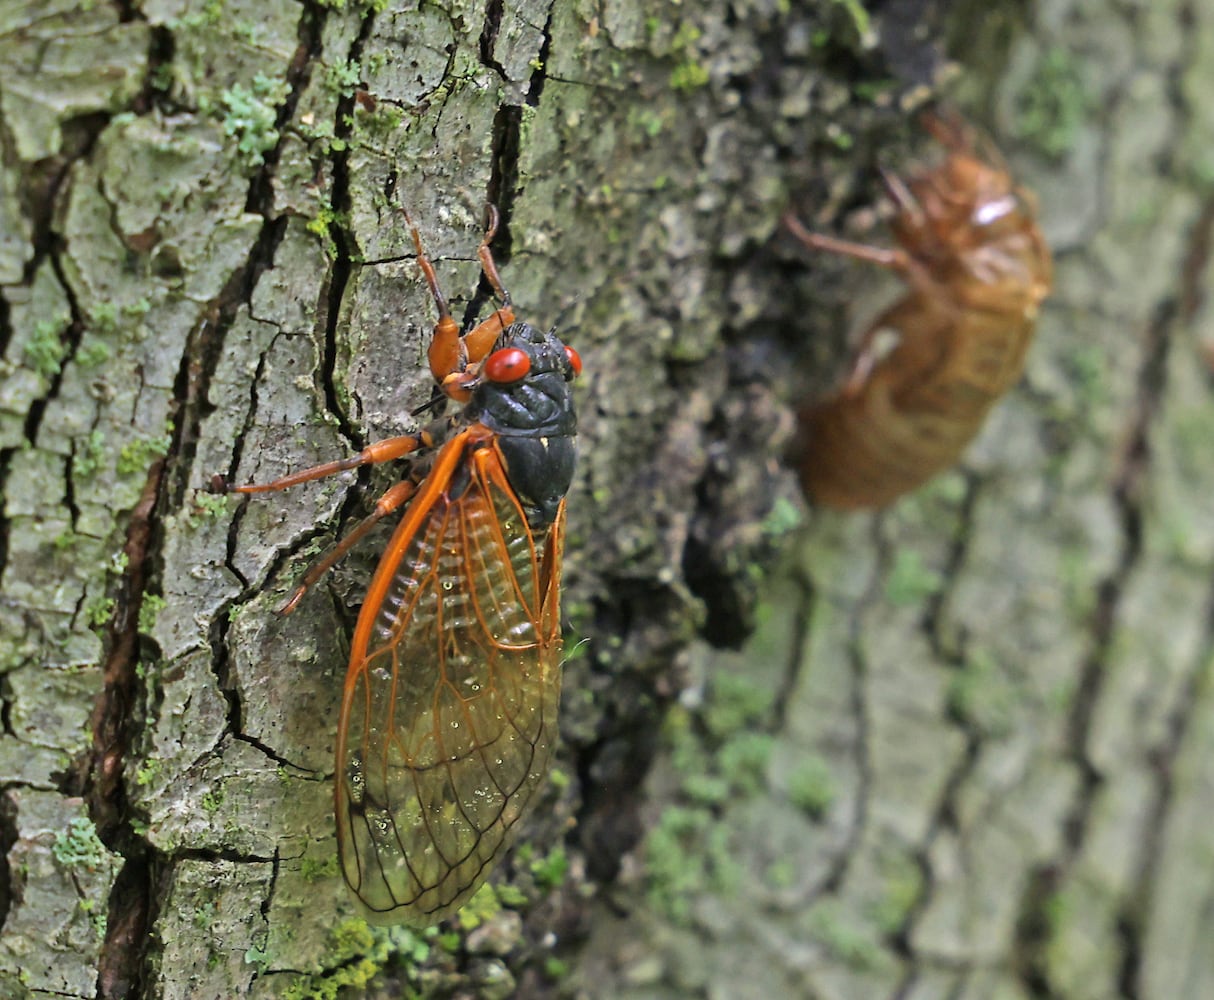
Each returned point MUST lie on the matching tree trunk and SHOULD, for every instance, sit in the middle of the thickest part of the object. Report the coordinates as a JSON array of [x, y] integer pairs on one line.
[[963, 754]]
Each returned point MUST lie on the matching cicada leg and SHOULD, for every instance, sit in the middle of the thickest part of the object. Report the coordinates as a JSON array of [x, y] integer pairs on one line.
[[453, 357], [392, 500], [891, 257]]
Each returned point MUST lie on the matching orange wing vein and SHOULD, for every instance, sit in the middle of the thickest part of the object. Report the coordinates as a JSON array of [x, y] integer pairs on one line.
[[449, 714]]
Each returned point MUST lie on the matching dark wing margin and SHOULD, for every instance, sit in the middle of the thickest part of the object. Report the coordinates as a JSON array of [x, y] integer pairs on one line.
[[449, 715]]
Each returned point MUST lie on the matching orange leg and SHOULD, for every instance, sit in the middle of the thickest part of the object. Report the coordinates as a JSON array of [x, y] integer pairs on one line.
[[392, 500], [453, 356], [894, 259], [381, 451]]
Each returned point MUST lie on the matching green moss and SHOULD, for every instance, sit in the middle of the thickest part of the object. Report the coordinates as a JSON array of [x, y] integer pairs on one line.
[[859, 16], [550, 871], [313, 869], [204, 916], [79, 845], [811, 787], [212, 801], [45, 349], [735, 702], [980, 696], [910, 580], [151, 606], [743, 762], [483, 905], [249, 116], [687, 854], [853, 945], [783, 517], [96, 915], [1051, 110], [138, 454], [781, 874], [1087, 367], [146, 773], [321, 225], [512, 896]]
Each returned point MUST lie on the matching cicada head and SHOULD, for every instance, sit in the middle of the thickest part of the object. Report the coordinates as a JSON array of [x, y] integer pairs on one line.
[[525, 396], [966, 220]]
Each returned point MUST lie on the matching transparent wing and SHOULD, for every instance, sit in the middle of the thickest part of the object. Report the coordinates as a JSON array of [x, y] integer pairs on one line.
[[450, 705]]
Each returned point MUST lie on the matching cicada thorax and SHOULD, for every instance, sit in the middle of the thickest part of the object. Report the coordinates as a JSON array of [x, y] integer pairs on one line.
[[978, 267]]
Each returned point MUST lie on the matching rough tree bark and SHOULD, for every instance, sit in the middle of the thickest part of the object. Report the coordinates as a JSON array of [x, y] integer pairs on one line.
[[967, 752]]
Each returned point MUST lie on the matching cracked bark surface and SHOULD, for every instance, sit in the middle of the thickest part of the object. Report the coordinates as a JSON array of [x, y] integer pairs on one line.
[[967, 752]]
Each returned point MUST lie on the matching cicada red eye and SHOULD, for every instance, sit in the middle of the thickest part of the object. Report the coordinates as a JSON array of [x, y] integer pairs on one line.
[[507, 365], [575, 360]]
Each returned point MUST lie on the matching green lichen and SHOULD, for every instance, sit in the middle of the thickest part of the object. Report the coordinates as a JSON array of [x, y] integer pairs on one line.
[[152, 605], [93, 355], [313, 869], [342, 79], [88, 455], [852, 944], [212, 505], [79, 846], [902, 888], [138, 454], [45, 349], [811, 788], [355, 955], [99, 611], [1051, 111], [249, 116], [980, 696], [910, 580], [550, 870]]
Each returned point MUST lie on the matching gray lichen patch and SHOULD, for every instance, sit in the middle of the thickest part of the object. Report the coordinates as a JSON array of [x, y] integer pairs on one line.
[[213, 937], [62, 61], [62, 872]]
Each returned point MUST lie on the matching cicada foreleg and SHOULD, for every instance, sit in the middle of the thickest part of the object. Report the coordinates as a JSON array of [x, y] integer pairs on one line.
[[455, 357], [392, 500], [891, 257]]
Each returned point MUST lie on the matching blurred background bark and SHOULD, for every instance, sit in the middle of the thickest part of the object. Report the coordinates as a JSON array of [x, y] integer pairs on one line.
[[964, 747]]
